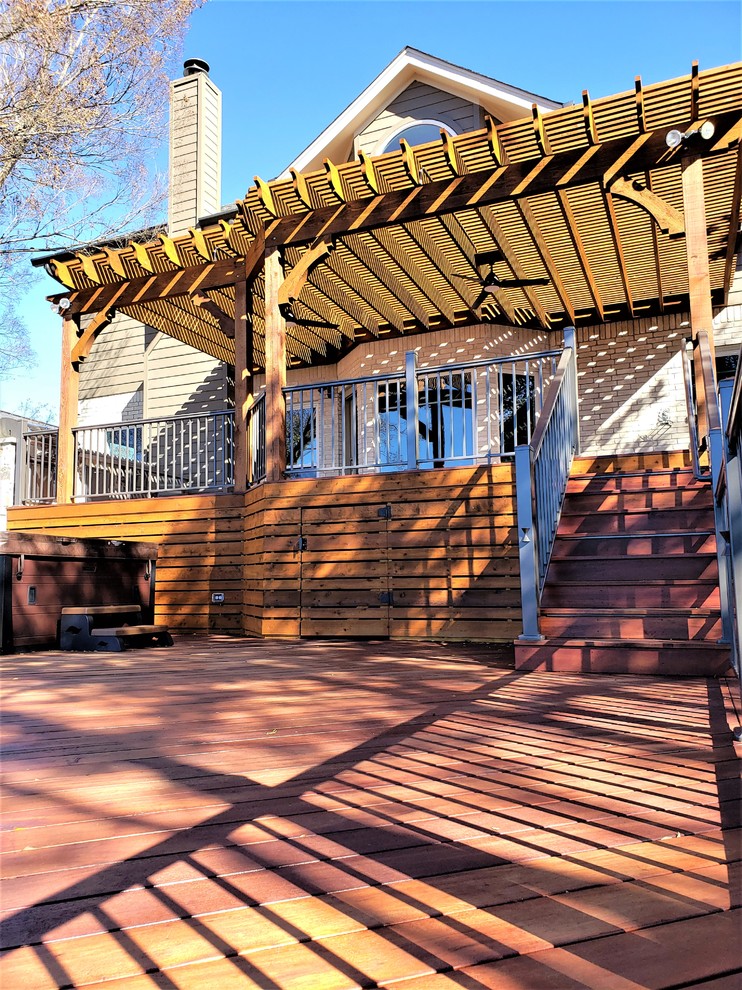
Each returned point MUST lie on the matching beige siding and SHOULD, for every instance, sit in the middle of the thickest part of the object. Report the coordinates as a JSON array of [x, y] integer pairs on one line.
[[419, 102], [124, 380], [182, 380], [111, 379]]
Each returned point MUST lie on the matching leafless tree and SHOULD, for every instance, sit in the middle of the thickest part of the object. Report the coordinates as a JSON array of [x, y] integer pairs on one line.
[[83, 103]]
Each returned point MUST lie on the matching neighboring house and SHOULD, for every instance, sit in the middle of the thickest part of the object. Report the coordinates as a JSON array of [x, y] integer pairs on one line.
[[375, 331]]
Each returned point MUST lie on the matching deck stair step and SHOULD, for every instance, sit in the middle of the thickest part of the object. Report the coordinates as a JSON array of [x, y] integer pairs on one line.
[[632, 585], [88, 627]]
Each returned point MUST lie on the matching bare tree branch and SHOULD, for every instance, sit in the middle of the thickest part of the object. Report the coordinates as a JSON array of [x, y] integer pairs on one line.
[[83, 106]]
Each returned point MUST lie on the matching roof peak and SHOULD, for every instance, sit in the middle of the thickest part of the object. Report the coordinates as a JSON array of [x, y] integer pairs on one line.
[[501, 100]]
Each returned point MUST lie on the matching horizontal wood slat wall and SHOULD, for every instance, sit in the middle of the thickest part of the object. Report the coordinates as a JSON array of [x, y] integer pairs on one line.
[[444, 565], [448, 556], [201, 549]]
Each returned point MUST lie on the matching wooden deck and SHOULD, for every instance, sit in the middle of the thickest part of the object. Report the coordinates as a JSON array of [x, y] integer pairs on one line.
[[326, 815]]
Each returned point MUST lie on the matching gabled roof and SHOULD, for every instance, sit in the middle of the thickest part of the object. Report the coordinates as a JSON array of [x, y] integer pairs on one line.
[[500, 100]]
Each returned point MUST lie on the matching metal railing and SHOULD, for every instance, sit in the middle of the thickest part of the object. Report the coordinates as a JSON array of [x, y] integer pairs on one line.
[[462, 414], [256, 441], [542, 467], [155, 456], [690, 404], [724, 434], [39, 475]]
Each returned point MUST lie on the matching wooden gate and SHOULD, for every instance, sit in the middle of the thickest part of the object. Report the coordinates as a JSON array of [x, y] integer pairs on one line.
[[345, 587]]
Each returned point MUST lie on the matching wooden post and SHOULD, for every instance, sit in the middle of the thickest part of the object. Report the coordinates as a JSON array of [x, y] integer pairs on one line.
[[699, 279], [243, 361], [275, 371], [68, 396]]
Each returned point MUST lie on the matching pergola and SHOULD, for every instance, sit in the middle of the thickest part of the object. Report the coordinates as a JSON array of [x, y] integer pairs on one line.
[[617, 218]]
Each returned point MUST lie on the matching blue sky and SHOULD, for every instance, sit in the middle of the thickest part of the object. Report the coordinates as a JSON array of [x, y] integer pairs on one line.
[[287, 68]]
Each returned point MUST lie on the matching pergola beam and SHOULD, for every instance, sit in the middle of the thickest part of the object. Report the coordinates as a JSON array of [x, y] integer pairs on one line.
[[428, 246], [542, 139], [532, 225], [356, 309], [618, 248], [575, 167], [668, 219], [164, 285], [368, 294]]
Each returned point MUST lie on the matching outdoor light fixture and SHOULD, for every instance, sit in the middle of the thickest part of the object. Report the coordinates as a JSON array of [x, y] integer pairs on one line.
[[675, 137], [60, 307]]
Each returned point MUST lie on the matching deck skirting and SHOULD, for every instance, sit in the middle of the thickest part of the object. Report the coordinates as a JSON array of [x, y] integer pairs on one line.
[[409, 555]]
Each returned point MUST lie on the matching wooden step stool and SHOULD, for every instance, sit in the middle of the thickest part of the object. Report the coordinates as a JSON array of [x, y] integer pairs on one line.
[[81, 629]]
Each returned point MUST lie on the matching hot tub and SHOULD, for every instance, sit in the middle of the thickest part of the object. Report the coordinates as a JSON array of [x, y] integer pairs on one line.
[[41, 575]]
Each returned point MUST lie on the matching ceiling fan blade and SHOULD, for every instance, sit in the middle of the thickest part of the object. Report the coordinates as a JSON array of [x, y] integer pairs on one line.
[[482, 297], [467, 278]]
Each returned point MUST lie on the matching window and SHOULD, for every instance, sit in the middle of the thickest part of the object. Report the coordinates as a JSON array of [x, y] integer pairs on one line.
[[301, 438], [421, 132], [518, 411]]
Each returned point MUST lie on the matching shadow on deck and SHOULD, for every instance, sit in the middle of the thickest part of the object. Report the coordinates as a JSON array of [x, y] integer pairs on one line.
[[263, 814]]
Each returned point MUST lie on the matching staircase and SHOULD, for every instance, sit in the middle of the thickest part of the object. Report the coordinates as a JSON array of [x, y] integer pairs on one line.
[[632, 586]]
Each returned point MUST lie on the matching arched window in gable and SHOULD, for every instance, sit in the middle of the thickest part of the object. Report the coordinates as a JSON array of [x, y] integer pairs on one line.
[[419, 132]]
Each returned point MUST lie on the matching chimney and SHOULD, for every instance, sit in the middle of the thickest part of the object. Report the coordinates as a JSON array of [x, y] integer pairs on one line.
[[195, 147]]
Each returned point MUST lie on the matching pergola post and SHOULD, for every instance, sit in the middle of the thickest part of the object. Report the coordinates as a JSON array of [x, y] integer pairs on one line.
[[699, 278], [243, 384], [68, 397], [275, 371]]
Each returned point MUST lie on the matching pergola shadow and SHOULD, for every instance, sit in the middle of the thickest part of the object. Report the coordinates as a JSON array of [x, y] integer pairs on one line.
[[440, 842]]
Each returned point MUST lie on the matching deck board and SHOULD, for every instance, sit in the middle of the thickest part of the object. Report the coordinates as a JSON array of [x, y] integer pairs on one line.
[[252, 814]]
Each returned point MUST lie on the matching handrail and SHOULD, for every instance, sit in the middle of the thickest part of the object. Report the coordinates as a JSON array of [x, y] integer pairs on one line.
[[734, 415], [709, 380], [552, 397], [541, 472]]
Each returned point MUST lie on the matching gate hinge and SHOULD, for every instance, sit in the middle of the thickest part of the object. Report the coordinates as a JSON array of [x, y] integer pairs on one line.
[[302, 543], [385, 512], [386, 598]]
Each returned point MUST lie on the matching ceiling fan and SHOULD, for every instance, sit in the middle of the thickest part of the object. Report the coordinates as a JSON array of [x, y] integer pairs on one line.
[[287, 312], [490, 283]]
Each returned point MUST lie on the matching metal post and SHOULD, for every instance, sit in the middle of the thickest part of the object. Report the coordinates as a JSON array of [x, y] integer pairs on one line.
[[527, 544], [734, 513], [722, 532], [570, 341], [413, 408]]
